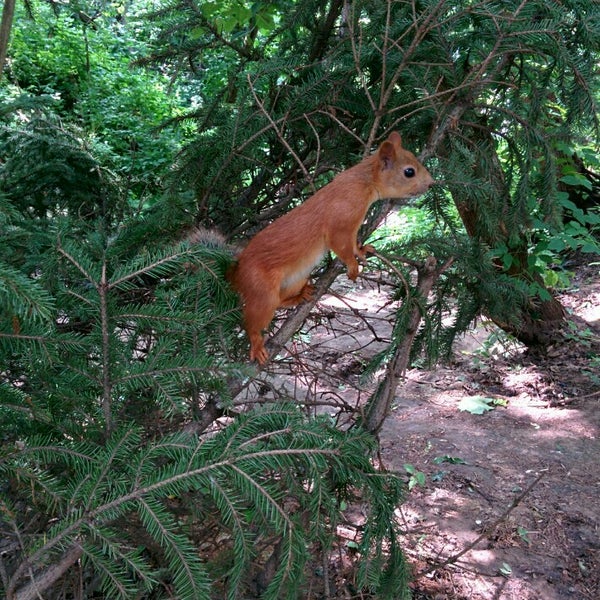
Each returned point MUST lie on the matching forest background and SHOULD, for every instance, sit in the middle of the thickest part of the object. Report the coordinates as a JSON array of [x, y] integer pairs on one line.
[[131, 132]]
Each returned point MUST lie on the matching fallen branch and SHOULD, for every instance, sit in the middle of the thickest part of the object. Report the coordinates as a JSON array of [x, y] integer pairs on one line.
[[487, 531], [40, 581]]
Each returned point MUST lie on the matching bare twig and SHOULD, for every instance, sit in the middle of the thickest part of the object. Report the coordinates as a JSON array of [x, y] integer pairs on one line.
[[487, 531], [279, 133]]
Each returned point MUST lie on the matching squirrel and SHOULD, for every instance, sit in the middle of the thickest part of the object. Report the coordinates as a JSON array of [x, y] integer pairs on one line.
[[273, 269]]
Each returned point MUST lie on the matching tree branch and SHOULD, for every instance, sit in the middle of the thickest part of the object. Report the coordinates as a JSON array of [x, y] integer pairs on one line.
[[487, 531], [41, 581], [379, 405]]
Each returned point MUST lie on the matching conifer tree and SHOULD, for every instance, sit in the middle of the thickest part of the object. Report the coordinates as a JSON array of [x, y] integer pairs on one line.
[[116, 331]]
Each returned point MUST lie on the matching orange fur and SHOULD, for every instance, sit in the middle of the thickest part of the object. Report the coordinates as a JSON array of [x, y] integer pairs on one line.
[[273, 269]]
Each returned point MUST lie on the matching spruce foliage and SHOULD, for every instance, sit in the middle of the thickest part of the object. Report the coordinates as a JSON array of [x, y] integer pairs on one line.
[[116, 330], [488, 93], [272, 480]]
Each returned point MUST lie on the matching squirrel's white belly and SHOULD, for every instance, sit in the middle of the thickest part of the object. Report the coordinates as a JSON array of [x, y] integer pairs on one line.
[[303, 269]]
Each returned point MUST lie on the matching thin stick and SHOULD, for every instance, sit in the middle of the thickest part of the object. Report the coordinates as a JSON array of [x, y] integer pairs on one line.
[[280, 136], [486, 532]]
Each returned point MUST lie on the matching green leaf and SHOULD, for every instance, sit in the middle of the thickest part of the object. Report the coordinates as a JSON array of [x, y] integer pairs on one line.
[[476, 405], [551, 278], [556, 244], [577, 179], [416, 477], [523, 534]]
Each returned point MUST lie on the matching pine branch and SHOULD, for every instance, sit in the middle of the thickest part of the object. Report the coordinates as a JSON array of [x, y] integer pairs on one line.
[[40, 582], [380, 402], [249, 470], [23, 298]]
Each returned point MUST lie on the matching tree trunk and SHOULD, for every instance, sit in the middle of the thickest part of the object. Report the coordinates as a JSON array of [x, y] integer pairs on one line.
[[8, 12], [540, 320], [379, 404]]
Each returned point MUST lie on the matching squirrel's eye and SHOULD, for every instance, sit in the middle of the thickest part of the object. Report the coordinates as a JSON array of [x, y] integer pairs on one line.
[[409, 172]]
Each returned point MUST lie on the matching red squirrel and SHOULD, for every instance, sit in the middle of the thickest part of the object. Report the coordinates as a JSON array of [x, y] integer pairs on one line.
[[272, 271]]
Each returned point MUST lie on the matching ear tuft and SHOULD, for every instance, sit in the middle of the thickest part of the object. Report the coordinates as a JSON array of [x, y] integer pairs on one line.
[[387, 155], [396, 139]]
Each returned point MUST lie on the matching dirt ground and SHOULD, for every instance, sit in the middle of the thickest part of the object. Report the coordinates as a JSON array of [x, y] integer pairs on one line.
[[526, 474], [506, 504]]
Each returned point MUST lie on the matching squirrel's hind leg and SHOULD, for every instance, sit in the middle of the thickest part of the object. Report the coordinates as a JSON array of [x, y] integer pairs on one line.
[[257, 316], [305, 294]]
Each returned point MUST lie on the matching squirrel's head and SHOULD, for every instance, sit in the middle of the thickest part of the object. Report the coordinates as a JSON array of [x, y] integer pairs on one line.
[[398, 174]]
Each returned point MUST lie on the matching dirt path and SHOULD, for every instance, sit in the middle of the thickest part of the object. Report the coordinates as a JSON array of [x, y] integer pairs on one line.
[[526, 473], [477, 466]]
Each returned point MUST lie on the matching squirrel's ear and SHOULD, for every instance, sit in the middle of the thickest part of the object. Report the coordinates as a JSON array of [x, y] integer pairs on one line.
[[395, 138], [387, 155]]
